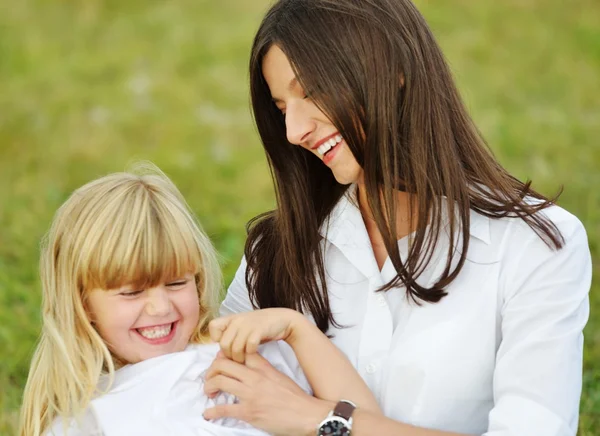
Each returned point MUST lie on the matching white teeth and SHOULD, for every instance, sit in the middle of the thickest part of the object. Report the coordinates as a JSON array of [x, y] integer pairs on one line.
[[328, 145], [156, 332]]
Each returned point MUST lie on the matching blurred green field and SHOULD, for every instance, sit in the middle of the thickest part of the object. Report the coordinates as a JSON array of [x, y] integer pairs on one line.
[[87, 87]]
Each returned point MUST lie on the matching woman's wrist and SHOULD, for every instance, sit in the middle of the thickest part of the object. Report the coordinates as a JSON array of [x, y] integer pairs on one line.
[[298, 328], [317, 412]]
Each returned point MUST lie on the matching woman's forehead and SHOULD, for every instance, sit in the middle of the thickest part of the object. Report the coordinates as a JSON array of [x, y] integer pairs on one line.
[[278, 73]]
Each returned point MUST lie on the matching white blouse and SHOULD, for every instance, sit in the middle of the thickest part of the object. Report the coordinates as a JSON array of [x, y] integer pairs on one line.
[[500, 355], [164, 396]]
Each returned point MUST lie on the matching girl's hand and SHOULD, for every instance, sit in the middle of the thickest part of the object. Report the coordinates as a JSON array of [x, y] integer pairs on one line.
[[241, 334], [267, 399]]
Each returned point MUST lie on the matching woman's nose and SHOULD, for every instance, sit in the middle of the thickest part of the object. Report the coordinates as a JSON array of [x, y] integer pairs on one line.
[[158, 303], [298, 123]]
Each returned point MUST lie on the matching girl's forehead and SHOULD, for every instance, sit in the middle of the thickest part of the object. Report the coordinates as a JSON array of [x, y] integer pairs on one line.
[[140, 277]]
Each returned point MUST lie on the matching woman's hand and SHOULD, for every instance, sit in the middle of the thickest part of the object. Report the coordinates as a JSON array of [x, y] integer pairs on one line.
[[267, 399], [241, 334]]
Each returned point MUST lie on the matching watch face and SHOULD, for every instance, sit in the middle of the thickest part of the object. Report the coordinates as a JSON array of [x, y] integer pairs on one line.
[[334, 428]]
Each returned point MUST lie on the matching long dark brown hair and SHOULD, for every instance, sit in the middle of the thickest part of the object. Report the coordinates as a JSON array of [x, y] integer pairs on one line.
[[374, 67]]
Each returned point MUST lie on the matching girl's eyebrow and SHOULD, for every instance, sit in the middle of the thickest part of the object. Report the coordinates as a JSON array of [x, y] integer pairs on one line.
[[293, 83], [126, 287]]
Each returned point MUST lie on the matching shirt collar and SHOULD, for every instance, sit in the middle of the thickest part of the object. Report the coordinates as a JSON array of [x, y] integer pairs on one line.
[[480, 227], [345, 222]]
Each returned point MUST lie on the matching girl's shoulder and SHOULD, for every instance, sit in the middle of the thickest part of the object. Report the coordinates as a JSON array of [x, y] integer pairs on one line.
[[168, 368], [162, 395], [86, 425], [147, 397]]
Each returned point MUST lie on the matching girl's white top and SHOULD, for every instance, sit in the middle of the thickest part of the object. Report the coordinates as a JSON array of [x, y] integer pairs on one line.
[[500, 355], [164, 396]]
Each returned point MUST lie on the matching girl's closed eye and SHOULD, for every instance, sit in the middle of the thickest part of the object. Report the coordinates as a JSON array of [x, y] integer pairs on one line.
[[131, 293], [177, 283]]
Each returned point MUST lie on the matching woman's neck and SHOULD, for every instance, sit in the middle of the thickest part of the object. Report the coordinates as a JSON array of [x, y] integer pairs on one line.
[[404, 225]]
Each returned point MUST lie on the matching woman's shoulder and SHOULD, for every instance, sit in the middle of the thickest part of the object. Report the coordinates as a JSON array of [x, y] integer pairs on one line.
[[514, 231], [519, 249], [527, 258]]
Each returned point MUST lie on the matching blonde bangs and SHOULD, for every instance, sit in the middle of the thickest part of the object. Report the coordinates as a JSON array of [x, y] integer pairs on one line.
[[141, 239]]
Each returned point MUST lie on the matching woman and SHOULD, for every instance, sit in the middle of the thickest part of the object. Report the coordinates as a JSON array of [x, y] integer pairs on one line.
[[456, 291]]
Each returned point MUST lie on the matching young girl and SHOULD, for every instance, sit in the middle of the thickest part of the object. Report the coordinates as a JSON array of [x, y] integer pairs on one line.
[[130, 284]]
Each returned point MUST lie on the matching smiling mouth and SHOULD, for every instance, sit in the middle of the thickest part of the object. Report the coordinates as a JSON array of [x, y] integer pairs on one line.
[[156, 332], [326, 147]]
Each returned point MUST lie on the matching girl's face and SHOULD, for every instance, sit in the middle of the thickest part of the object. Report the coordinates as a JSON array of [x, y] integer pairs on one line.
[[138, 324], [306, 125]]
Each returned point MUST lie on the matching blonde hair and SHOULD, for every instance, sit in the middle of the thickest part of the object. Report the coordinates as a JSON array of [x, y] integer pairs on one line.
[[132, 228]]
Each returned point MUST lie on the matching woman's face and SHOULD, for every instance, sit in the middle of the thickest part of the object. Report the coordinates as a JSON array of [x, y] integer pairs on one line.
[[306, 125]]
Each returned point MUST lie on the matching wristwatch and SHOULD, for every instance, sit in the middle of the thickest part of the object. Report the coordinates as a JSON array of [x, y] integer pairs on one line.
[[339, 420]]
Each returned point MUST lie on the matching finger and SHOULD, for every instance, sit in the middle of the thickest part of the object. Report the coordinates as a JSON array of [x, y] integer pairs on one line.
[[238, 347], [217, 326], [229, 335], [231, 369], [258, 363], [252, 343], [224, 411], [221, 383]]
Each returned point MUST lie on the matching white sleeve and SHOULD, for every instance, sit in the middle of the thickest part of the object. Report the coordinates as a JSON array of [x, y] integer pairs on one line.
[[237, 299], [545, 306]]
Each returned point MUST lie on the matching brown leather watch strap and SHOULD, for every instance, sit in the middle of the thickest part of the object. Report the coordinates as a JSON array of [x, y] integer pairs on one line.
[[344, 409]]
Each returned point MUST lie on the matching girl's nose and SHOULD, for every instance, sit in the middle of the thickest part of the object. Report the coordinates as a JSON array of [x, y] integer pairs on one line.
[[158, 303]]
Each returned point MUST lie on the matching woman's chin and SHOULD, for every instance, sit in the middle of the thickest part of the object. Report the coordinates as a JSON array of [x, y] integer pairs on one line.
[[346, 177]]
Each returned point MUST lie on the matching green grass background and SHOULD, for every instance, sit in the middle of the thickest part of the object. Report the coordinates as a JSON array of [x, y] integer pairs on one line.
[[87, 87]]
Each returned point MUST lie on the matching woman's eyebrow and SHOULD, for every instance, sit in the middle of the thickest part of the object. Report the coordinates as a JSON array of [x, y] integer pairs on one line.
[[290, 87]]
